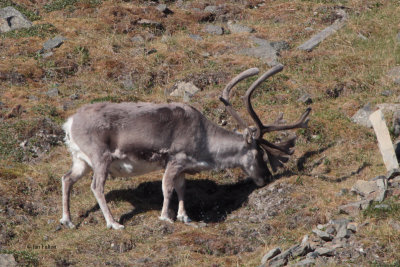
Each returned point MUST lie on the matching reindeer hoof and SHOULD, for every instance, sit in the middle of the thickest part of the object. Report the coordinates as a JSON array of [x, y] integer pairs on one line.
[[67, 223], [183, 218], [115, 226], [163, 218]]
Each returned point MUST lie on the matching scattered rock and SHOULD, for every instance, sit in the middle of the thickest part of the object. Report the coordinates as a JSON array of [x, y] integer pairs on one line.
[[396, 123], [364, 188], [362, 116], [11, 19], [138, 39], [262, 50], [394, 74], [53, 43], [53, 92], [393, 173], [74, 96], [325, 251], [184, 89], [323, 235], [239, 28], [7, 260], [304, 263], [280, 45], [213, 29], [322, 35], [211, 9], [343, 232], [343, 192], [196, 37], [353, 209], [272, 253], [164, 9], [306, 99]]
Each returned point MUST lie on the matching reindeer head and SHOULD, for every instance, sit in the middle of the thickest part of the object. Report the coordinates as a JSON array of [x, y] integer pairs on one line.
[[260, 150]]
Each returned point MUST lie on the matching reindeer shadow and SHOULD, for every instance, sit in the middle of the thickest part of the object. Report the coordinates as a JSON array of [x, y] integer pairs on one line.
[[205, 200]]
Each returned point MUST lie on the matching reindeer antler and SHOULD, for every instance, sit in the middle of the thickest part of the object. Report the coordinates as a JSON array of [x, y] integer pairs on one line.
[[225, 95], [277, 152]]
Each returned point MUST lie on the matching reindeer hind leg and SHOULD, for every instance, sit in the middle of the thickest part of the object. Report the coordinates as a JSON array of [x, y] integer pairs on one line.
[[78, 170]]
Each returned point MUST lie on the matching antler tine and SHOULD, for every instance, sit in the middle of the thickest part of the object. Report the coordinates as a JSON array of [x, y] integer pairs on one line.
[[250, 91], [301, 123], [225, 94]]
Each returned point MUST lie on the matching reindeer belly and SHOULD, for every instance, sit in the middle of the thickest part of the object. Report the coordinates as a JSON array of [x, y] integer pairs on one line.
[[128, 168]]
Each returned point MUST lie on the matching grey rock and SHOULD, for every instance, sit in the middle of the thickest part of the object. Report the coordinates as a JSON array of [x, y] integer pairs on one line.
[[262, 50], [354, 208], [53, 92], [211, 9], [239, 28], [278, 263], [53, 43], [364, 188], [305, 263], [47, 54], [396, 123], [362, 37], [330, 230], [377, 177], [7, 260], [312, 255], [394, 74], [196, 37], [306, 99], [164, 9], [323, 235], [393, 173], [352, 227], [58, 228], [137, 39], [325, 251], [185, 90], [362, 116], [272, 253], [213, 29], [325, 33], [11, 19], [343, 232], [304, 241], [280, 45], [74, 96]]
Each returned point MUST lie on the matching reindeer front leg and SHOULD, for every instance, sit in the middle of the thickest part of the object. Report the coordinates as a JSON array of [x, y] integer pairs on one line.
[[173, 179]]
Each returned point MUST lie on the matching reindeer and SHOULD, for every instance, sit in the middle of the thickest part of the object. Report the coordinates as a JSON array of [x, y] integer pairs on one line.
[[129, 139]]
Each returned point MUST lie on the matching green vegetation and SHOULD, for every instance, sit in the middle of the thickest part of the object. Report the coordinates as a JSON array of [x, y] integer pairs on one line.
[[39, 30]]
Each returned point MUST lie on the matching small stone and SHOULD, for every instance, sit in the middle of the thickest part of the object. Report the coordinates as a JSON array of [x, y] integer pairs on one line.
[[213, 29], [312, 255], [182, 87], [53, 43], [324, 251], [47, 54], [58, 228], [306, 99], [196, 37], [362, 116], [7, 260], [280, 45], [151, 51], [211, 9], [352, 227], [354, 208], [304, 240], [323, 235], [343, 232], [305, 263], [239, 28], [164, 9], [330, 230], [321, 227], [53, 92], [137, 39], [394, 74], [362, 37], [45, 238], [363, 188], [272, 253], [50, 221]]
